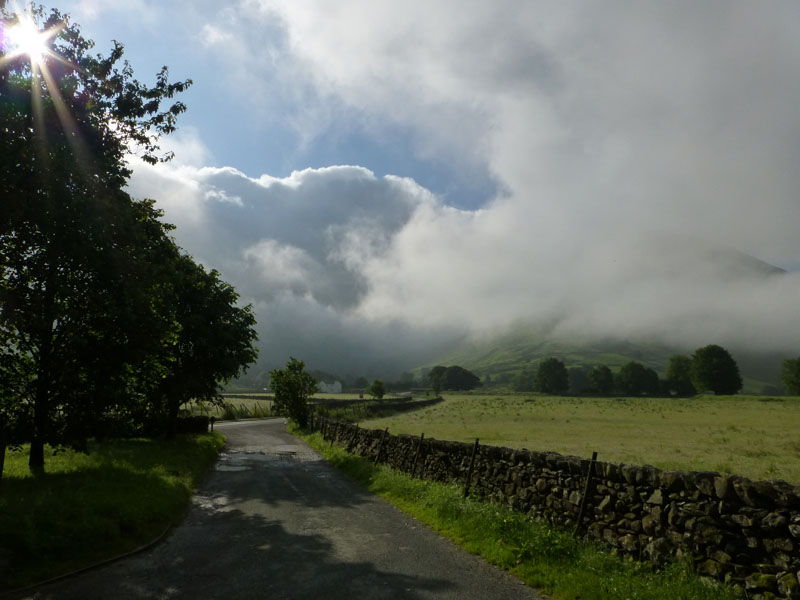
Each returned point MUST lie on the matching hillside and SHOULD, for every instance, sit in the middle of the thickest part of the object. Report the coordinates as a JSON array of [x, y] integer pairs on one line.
[[502, 357], [683, 258]]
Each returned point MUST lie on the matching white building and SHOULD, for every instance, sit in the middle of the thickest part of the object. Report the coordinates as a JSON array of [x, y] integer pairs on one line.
[[334, 387]]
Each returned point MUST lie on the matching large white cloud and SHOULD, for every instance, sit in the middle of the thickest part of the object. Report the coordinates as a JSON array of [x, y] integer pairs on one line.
[[632, 141]]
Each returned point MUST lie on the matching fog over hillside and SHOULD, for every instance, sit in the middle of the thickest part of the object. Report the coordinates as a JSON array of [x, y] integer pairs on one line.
[[645, 160]]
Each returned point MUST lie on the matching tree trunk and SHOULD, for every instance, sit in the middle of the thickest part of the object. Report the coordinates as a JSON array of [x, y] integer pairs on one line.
[[40, 417], [2, 452], [172, 419]]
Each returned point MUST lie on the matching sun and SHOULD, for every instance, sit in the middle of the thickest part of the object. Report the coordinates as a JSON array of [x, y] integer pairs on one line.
[[26, 38]]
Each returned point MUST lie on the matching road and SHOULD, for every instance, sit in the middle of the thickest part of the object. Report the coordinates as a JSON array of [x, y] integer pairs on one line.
[[275, 521]]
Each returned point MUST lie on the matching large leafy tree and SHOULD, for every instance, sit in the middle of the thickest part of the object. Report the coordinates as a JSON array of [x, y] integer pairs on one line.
[[292, 387], [213, 341], [790, 375], [459, 378], [602, 380], [551, 377], [634, 379], [86, 286], [715, 370], [377, 389], [436, 378], [679, 375]]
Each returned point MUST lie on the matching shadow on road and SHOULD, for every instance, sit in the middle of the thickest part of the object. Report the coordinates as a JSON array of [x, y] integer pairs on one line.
[[231, 554]]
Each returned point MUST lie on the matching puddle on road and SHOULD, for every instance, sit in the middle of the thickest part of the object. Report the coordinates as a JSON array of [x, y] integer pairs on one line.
[[247, 461]]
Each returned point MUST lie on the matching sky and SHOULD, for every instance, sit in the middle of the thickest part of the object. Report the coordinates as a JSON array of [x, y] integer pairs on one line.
[[381, 179]]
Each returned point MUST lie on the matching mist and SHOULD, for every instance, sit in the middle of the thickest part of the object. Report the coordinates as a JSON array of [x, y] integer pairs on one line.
[[645, 157]]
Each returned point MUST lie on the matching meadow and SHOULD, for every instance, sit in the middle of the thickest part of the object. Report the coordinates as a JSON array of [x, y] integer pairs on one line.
[[86, 508], [754, 436]]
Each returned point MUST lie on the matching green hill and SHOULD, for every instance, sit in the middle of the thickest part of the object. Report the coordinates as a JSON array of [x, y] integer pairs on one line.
[[502, 357]]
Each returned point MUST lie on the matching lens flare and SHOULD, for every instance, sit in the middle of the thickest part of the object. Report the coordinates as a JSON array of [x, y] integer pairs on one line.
[[26, 38]]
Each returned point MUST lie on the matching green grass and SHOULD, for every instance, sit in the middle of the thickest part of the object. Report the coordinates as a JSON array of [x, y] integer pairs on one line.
[[540, 556], [88, 507], [747, 435], [235, 408]]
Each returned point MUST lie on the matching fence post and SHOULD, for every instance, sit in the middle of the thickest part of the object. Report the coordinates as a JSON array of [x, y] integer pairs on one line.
[[335, 431], [416, 454], [471, 466], [380, 445], [584, 499]]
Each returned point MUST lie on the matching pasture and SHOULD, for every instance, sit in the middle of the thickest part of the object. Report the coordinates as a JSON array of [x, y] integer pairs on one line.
[[753, 436]]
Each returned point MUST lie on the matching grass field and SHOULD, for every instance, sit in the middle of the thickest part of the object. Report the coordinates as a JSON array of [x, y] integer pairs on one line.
[[88, 507], [752, 436]]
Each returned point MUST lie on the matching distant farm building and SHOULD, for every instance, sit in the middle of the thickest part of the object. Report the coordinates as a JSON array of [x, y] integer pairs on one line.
[[334, 387]]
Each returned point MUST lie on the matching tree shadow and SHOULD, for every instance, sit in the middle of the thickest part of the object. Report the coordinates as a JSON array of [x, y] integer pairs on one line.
[[230, 554]]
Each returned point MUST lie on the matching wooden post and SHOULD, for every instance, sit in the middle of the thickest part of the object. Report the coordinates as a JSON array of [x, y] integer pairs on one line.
[[471, 466], [585, 497], [335, 431], [380, 445], [416, 454]]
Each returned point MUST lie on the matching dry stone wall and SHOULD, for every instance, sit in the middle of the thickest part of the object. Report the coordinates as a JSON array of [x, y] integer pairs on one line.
[[740, 531]]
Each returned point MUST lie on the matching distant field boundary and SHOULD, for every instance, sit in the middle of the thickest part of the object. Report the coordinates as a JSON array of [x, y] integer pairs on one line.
[[743, 532], [377, 405]]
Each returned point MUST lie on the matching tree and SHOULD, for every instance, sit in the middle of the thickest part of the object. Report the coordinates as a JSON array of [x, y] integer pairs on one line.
[[602, 380], [714, 369], [84, 290], [292, 388], [634, 379], [551, 377], [213, 342], [376, 389], [436, 378], [459, 378], [579, 382], [679, 375], [790, 375]]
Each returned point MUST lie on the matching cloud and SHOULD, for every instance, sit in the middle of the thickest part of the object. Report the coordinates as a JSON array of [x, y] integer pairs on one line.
[[638, 146], [297, 248]]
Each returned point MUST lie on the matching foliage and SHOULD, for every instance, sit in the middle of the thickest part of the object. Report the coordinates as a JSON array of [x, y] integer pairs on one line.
[[679, 375], [214, 341], [88, 275], [715, 370], [458, 378], [579, 382], [790, 375], [90, 507], [602, 379], [436, 378], [634, 379], [452, 378], [551, 377], [292, 387], [376, 389]]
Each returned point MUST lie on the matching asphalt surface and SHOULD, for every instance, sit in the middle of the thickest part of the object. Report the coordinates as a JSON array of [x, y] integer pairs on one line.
[[274, 520]]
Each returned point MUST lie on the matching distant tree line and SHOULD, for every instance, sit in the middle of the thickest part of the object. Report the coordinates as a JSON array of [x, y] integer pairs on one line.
[[105, 323], [709, 369]]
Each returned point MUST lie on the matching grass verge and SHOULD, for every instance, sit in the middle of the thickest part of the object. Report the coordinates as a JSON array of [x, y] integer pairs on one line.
[[539, 555], [89, 507]]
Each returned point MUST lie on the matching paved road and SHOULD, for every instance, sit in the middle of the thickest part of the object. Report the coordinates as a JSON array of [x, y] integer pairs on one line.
[[274, 520]]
